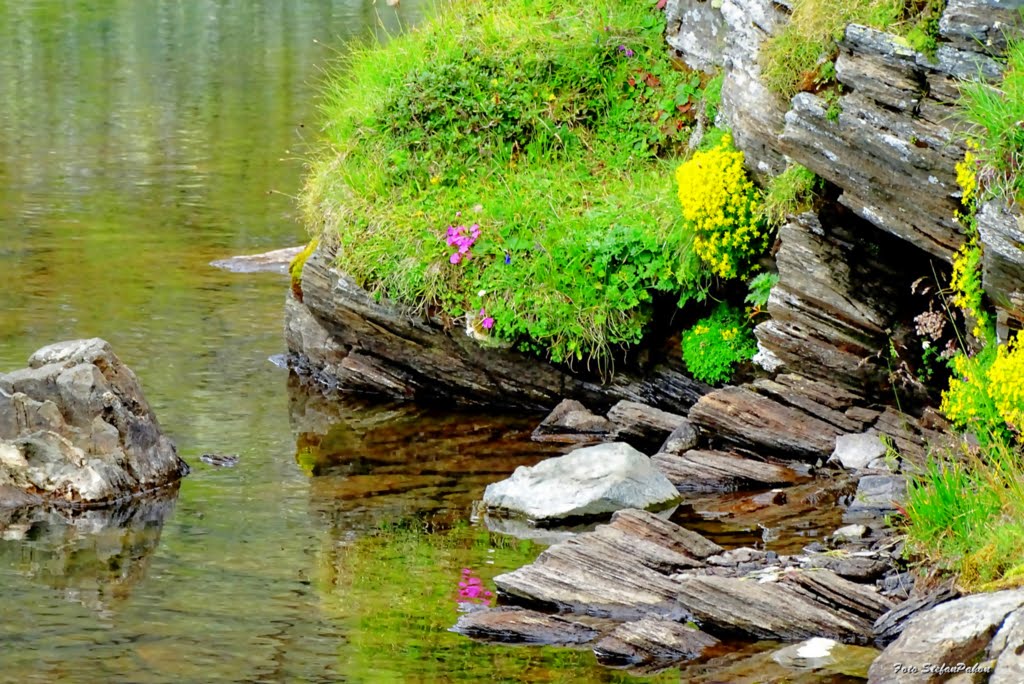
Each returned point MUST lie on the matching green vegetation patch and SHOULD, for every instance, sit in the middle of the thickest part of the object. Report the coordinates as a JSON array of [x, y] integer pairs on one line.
[[996, 146], [801, 56], [716, 345], [507, 166]]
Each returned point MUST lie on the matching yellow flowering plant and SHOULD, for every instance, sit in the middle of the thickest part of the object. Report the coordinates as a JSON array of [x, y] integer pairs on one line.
[[1006, 383], [722, 204]]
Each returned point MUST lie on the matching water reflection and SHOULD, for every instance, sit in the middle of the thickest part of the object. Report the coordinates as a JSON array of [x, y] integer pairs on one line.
[[371, 463], [93, 557]]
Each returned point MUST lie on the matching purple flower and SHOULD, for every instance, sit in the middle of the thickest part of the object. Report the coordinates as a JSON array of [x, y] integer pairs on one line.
[[487, 321], [626, 51], [455, 258]]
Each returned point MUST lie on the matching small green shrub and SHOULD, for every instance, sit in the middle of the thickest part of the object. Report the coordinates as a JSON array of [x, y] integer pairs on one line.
[[723, 206], [716, 345], [791, 192], [506, 165], [713, 96]]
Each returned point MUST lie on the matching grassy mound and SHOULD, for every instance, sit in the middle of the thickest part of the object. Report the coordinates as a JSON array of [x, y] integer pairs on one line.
[[507, 166]]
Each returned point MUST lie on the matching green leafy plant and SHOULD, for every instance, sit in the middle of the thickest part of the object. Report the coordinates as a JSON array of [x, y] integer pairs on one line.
[[759, 289], [541, 133], [716, 345], [713, 96]]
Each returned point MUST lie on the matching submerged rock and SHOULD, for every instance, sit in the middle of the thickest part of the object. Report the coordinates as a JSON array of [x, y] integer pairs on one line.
[[76, 429], [572, 423], [275, 261], [591, 481], [510, 625], [879, 493], [652, 642]]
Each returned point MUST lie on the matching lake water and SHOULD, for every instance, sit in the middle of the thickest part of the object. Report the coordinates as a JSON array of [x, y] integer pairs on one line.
[[139, 140]]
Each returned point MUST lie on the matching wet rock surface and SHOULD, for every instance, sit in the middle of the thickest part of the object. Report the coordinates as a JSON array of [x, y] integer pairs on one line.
[[75, 429], [651, 642]]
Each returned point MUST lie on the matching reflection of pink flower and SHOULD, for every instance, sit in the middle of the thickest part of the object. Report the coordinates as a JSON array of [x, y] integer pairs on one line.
[[471, 590]]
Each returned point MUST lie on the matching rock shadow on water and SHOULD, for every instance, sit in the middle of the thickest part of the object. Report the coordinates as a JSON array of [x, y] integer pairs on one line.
[[95, 556]]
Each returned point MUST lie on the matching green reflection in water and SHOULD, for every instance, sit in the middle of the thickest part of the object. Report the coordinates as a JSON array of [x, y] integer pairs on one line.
[[402, 580]]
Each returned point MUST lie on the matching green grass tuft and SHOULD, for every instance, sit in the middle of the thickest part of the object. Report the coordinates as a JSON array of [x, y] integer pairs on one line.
[[791, 192], [800, 57], [965, 515], [994, 113]]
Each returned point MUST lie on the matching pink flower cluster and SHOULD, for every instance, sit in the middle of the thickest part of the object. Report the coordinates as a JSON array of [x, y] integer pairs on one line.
[[486, 321], [462, 238], [471, 589]]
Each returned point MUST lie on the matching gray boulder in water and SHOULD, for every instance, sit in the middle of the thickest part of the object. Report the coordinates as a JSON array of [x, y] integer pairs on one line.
[[592, 481], [75, 429]]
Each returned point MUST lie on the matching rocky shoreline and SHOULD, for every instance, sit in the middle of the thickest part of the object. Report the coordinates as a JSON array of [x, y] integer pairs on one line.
[[836, 415]]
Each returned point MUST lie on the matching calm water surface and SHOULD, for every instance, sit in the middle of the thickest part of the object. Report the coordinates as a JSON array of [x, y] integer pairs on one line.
[[139, 140]]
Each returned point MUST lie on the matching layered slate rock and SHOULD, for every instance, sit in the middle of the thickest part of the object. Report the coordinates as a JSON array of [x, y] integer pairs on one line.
[[643, 426], [895, 136], [1002, 240], [754, 114], [572, 423], [840, 286], [343, 339], [511, 625], [980, 24], [620, 570], [652, 642], [588, 482], [799, 605], [983, 628], [76, 429], [711, 471], [640, 566]]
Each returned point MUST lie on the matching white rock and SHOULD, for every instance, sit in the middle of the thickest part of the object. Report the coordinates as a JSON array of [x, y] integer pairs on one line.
[[857, 451], [587, 482]]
